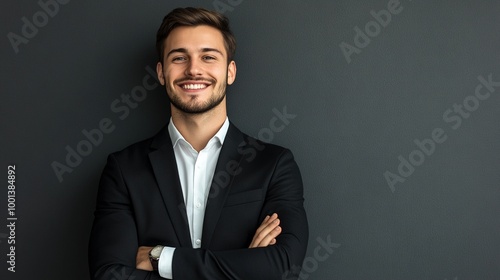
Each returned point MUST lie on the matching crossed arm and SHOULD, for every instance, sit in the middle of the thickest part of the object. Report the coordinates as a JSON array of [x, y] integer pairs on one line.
[[115, 247], [265, 235]]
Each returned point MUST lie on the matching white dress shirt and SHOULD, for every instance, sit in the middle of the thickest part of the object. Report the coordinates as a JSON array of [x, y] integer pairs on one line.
[[196, 171]]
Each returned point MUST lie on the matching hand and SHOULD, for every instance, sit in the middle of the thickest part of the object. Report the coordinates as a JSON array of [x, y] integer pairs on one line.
[[142, 260], [267, 232]]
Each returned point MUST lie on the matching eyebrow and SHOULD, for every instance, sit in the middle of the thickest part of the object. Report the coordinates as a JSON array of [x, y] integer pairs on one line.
[[203, 50]]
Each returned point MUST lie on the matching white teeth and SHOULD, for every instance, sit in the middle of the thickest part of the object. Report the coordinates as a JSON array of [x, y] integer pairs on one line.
[[194, 86]]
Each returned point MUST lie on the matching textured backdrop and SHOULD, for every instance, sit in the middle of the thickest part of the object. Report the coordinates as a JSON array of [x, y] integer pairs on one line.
[[390, 107]]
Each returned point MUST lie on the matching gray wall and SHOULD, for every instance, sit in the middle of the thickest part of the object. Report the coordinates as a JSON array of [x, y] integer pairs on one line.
[[400, 154]]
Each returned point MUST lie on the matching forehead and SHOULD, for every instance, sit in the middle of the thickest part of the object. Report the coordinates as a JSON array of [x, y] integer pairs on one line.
[[195, 38]]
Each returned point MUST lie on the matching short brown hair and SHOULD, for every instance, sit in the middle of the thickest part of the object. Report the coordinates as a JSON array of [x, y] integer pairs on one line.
[[193, 17]]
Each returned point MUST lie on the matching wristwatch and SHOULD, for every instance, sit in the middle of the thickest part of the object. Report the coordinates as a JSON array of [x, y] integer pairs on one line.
[[154, 256]]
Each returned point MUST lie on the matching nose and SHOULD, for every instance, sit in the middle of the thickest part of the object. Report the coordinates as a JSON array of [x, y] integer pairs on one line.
[[194, 68]]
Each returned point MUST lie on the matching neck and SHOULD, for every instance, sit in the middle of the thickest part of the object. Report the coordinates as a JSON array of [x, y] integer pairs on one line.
[[198, 129]]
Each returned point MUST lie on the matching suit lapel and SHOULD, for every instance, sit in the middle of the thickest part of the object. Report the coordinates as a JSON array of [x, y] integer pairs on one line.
[[165, 169], [221, 182]]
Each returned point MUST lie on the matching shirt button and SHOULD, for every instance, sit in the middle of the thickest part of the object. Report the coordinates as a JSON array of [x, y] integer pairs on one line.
[[198, 205], [198, 241]]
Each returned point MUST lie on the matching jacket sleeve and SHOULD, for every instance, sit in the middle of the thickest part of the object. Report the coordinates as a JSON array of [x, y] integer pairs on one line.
[[113, 241]]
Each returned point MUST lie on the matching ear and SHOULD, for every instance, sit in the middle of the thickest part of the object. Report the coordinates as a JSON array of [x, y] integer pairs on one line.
[[231, 72], [159, 72]]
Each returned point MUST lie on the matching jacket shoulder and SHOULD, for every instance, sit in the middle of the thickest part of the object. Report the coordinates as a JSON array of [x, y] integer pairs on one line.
[[143, 147]]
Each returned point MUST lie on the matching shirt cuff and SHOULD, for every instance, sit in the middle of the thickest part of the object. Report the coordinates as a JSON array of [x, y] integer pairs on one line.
[[165, 262]]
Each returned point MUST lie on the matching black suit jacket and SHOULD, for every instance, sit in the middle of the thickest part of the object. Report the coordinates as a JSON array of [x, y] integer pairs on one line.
[[140, 203]]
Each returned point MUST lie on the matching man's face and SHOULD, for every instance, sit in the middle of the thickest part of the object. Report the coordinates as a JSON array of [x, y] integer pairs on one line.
[[195, 71]]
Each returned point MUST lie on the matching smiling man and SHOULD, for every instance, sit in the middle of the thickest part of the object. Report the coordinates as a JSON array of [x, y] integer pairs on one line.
[[199, 200]]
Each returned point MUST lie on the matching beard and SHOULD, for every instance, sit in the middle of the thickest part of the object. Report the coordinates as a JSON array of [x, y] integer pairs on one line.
[[193, 106]]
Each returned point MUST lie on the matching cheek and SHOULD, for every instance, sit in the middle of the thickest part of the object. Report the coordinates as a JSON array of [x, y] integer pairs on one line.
[[171, 75], [219, 74]]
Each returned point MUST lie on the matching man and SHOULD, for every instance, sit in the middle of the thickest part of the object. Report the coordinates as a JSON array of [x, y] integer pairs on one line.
[[200, 200]]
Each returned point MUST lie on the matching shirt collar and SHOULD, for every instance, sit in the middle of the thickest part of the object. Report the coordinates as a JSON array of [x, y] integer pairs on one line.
[[175, 135]]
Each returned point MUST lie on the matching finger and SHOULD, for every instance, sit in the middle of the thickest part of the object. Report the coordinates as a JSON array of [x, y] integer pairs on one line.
[[268, 239], [267, 221], [269, 232]]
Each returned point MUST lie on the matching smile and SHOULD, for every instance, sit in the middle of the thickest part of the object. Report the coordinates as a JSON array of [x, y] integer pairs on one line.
[[194, 86]]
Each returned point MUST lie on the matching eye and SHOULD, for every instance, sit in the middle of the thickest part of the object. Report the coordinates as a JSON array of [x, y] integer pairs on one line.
[[209, 58], [178, 59]]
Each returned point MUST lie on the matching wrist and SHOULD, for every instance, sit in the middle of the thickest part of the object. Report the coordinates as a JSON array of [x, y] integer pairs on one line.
[[154, 256]]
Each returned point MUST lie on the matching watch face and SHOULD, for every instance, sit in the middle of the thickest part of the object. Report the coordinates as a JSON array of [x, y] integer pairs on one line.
[[156, 252]]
